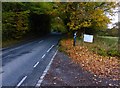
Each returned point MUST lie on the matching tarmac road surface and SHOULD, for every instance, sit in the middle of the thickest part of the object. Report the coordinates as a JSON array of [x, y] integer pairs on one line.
[[24, 64]]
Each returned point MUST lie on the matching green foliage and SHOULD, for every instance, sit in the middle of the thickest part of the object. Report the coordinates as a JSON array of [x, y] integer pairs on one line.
[[17, 21], [72, 16], [40, 7], [103, 45], [102, 52], [58, 25], [113, 52], [86, 15], [15, 25], [8, 25], [109, 32]]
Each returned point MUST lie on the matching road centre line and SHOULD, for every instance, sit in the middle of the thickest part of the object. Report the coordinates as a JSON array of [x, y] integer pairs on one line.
[[43, 56], [45, 71], [50, 48], [21, 82], [40, 41], [36, 64]]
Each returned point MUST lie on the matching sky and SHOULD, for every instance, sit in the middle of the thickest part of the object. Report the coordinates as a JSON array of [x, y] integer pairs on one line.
[[114, 18]]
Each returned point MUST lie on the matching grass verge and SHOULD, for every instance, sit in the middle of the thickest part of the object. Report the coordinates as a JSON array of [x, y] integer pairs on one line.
[[10, 42], [104, 46]]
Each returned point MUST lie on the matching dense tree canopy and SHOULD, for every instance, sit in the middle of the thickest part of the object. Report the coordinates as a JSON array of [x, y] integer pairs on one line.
[[87, 15], [18, 16]]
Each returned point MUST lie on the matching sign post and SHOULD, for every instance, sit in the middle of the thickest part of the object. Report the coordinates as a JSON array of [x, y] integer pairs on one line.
[[74, 42]]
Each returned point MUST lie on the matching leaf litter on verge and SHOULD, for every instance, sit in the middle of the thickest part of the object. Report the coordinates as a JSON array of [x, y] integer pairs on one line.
[[102, 66]]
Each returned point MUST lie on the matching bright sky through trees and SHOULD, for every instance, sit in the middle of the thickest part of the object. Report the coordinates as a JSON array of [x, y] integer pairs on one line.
[[114, 18]]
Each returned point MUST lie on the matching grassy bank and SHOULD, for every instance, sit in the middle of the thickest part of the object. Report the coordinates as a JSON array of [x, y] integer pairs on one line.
[[12, 42], [103, 45]]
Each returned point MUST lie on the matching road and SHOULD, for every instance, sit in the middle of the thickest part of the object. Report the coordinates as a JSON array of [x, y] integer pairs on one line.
[[23, 65]]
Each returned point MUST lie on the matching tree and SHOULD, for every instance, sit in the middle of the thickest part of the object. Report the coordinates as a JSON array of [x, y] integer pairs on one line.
[[16, 17], [82, 16], [89, 15]]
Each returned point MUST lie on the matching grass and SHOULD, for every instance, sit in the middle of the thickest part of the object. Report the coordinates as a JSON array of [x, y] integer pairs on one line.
[[102, 45], [10, 42]]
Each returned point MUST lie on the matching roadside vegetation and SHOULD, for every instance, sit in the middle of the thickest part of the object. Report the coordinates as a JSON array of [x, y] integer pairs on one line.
[[94, 57], [11, 42], [105, 46], [102, 45]]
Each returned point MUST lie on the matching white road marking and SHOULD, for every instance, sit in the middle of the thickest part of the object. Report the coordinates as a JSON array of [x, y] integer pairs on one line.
[[40, 41], [45, 71], [43, 56], [39, 83], [36, 64], [0, 53], [21, 81], [50, 48]]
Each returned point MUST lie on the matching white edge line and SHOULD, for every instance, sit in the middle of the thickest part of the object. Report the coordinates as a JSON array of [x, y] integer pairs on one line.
[[43, 56], [45, 71], [21, 81], [50, 48], [36, 64]]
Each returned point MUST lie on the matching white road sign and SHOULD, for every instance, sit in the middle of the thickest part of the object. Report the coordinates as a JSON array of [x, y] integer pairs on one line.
[[88, 38]]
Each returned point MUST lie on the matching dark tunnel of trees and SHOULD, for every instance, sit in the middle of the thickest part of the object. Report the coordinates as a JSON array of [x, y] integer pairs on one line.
[[40, 24]]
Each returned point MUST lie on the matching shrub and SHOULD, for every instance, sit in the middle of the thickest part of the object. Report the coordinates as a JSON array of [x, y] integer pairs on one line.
[[15, 25]]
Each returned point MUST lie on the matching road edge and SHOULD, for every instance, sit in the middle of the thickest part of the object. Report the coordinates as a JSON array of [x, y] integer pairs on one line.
[[45, 71]]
